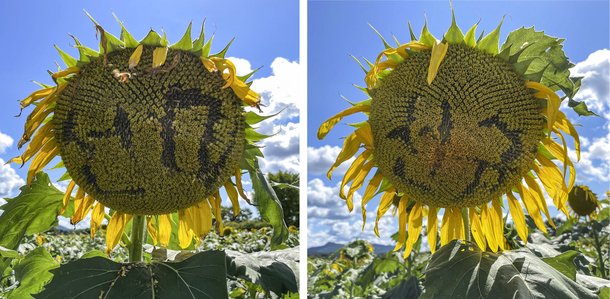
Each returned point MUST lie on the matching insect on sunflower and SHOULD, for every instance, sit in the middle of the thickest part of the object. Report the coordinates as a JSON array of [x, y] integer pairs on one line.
[[455, 127], [145, 128]]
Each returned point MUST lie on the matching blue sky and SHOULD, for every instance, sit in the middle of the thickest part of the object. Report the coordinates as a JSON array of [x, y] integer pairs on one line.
[[264, 37], [339, 28]]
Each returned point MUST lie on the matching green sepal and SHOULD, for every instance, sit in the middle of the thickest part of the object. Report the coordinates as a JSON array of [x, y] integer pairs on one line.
[[370, 64], [85, 53], [426, 37], [385, 43], [470, 34], [223, 52], [42, 84], [64, 177], [480, 36], [205, 51], [396, 40], [125, 36], [454, 35], [504, 54], [153, 39], [185, 43], [254, 136], [112, 42], [580, 108], [248, 75], [66, 58], [60, 164], [358, 124], [252, 118], [362, 88], [413, 37], [198, 43], [250, 154], [490, 42]]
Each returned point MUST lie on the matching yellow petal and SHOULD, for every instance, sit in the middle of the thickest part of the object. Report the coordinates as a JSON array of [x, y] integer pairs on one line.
[[82, 210], [358, 182], [488, 229], [165, 229], [152, 229], [46, 154], [232, 193], [476, 229], [562, 123], [432, 228], [97, 216], [402, 223], [66, 72], [159, 56], [415, 225], [553, 181], [134, 59], [366, 135], [539, 197], [553, 101], [369, 192], [35, 96], [518, 217], [351, 145], [215, 203], [331, 122], [353, 170], [530, 205], [384, 204], [557, 151], [240, 188], [185, 233], [203, 219], [67, 196], [115, 228], [498, 222], [438, 54]]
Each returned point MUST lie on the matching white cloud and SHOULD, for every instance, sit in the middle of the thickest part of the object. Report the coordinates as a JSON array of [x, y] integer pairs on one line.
[[242, 66], [594, 164], [282, 149], [283, 89], [320, 159], [10, 181], [5, 142]]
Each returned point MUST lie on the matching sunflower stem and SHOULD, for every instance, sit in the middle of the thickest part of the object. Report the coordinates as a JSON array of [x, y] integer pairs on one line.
[[137, 238], [600, 256], [466, 219]]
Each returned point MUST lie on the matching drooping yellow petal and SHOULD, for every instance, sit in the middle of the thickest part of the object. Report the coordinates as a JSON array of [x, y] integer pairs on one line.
[[151, 229], [353, 170], [46, 154], [240, 188], [437, 56], [200, 218], [350, 148], [488, 228], [553, 181], [539, 197], [331, 122], [553, 101], [414, 229], [557, 151], [35, 96], [518, 217], [530, 205], [366, 135], [165, 229], [357, 183], [159, 56], [185, 233], [40, 138], [432, 228], [476, 229], [67, 196], [215, 203], [115, 228], [232, 193], [498, 222], [82, 210], [402, 223], [384, 204], [452, 226], [369, 192], [66, 72], [563, 124], [247, 95], [97, 216], [208, 64], [134, 59]]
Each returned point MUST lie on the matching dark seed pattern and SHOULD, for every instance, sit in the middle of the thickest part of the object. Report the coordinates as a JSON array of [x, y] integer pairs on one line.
[[160, 142], [463, 140]]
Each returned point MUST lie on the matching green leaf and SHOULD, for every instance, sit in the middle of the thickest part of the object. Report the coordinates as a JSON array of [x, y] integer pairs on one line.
[[254, 136], [461, 269], [274, 271], [408, 288], [489, 43], [454, 35], [33, 211], [604, 293], [8, 253], [93, 253], [201, 276], [33, 273], [268, 206], [564, 263], [580, 108], [185, 43], [66, 58]]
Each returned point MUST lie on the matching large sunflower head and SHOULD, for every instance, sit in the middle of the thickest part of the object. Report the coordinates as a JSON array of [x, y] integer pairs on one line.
[[460, 125], [145, 128]]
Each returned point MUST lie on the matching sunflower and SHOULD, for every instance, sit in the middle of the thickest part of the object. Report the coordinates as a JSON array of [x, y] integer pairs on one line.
[[145, 128], [456, 127], [583, 202]]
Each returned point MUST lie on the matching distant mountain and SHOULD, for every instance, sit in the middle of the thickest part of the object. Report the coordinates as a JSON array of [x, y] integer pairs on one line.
[[331, 247]]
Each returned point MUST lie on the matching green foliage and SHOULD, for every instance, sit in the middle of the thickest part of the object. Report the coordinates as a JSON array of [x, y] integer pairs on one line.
[[33, 273], [462, 269], [286, 187], [92, 277], [269, 206]]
